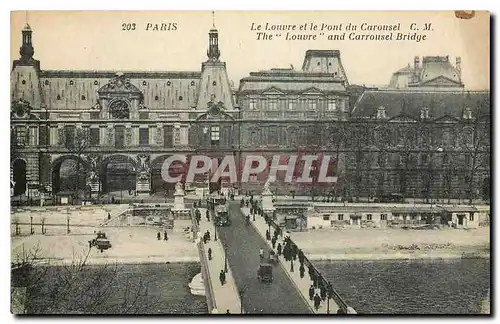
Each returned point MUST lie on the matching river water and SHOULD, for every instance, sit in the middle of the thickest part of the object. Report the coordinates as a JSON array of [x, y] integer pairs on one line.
[[410, 287]]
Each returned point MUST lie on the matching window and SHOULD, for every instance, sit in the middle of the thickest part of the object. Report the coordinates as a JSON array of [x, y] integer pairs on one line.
[[192, 83], [369, 217], [177, 136], [83, 98], [404, 217], [273, 105], [326, 217], [96, 82], [69, 133], [383, 217], [143, 136], [169, 83], [312, 104], [94, 137], [119, 137], [46, 82], [58, 97], [425, 158], [180, 98], [71, 82], [23, 82], [467, 160], [446, 158], [156, 98], [413, 217], [21, 135], [144, 83], [43, 135], [341, 217], [471, 217], [252, 104], [290, 105], [214, 83], [253, 138], [332, 105], [168, 140], [215, 135]]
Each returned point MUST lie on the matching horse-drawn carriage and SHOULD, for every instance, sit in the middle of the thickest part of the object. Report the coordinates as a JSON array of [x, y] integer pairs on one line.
[[101, 242]]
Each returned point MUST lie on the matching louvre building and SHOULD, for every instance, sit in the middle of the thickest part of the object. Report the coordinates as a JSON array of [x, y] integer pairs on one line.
[[424, 135]]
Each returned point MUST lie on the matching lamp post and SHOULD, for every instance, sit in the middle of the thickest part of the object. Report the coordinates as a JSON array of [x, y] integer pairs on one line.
[[291, 265], [215, 229], [241, 293], [225, 257]]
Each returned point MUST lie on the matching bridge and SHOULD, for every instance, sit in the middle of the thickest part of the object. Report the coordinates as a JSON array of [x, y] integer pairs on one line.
[[235, 250]]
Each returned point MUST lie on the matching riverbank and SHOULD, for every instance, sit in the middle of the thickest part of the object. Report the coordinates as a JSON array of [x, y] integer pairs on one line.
[[394, 244], [130, 245]]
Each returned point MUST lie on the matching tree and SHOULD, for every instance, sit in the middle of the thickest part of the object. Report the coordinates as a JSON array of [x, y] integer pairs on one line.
[[474, 140], [358, 137], [406, 136], [77, 141], [77, 287]]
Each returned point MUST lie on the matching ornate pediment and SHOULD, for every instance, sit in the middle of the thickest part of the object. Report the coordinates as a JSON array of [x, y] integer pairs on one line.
[[272, 91], [312, 92], [440, 81], [21, 109], [119, 85], [215, 111]]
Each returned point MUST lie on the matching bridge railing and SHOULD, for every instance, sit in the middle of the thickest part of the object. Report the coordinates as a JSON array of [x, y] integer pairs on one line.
[[205, 271], [320, 279]]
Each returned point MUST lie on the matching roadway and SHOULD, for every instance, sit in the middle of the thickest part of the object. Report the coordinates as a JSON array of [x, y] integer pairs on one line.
[[242, 243]]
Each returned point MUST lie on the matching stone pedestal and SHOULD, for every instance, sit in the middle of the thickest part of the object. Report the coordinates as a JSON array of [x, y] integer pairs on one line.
[[142, 187], [179, 201], [267, 201]]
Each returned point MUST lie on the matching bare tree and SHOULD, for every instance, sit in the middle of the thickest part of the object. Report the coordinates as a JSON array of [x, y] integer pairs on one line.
[[77, 142], [406, 136], [358, 137], [474, 140], [78, 287], [337, 140]]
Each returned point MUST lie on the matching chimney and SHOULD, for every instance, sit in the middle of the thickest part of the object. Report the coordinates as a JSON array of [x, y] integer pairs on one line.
[[458, 66]]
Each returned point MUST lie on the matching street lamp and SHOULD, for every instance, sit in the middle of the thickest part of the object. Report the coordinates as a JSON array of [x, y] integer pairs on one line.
[[225, 257], [215, 229], [291, 265], [241, 293]]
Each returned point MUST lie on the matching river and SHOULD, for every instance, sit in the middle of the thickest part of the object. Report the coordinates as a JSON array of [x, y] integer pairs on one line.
[[410, 287]]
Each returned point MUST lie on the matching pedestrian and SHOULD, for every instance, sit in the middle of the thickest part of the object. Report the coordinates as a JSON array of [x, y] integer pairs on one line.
[[222, 277], [317, 301], [278, 249], [165, 236], [311, 272], [199, 202], [207, 215], [322, 292], [302, 270], [109, 216], [90, 244], [311, 292], [209, 254], [268, 235], [208, 235], [273, 241], [158, 236], [194, 204], [301, 256], [227, 312]]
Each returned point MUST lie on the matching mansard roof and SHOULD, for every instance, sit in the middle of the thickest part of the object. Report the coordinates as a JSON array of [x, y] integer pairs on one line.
[[410, 103]]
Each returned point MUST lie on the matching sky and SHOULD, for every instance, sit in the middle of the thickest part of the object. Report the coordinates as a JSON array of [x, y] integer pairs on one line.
[[94, 40]]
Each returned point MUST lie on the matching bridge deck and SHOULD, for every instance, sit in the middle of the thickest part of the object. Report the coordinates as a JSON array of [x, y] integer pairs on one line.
[[242, 247]]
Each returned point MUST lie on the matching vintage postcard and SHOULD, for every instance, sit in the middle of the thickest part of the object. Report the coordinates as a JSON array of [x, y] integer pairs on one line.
[[250, 162]]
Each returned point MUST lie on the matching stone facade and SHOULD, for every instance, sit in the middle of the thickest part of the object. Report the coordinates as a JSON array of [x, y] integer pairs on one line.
[[135, 120]]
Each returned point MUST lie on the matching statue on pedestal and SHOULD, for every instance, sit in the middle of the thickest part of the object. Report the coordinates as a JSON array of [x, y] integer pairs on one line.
[[267, 188], [179, 188]]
